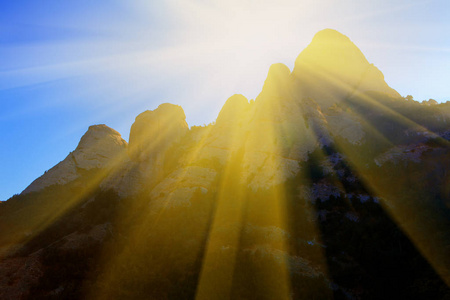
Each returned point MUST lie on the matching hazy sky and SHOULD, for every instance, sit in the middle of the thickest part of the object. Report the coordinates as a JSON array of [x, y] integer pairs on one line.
[[65, 65]]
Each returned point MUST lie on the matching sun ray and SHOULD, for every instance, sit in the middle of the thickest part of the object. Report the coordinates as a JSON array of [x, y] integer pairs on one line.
[[39, 222], [431, 249]]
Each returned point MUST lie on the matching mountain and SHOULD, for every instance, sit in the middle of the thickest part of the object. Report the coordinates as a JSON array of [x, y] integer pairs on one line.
[[328, 185], [332, 69], [98, 148]]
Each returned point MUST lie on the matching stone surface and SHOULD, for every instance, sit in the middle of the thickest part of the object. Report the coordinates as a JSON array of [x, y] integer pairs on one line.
[[100, 147], [278, 135], [227, 135], [151, 135], [154, 131], [226, 191], [178, 188], [19, 275], [332, 69], [403, 153], [346, 126]]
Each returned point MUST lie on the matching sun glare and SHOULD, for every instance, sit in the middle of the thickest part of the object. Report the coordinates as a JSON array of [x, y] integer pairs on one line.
[[238, 208]]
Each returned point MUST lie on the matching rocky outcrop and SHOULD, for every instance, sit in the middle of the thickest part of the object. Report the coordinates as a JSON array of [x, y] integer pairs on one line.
[[278, 135], [100, 148], [214, 147], [332, 69], [316, 121], [277, 83], [234, 111], [313, 184], [154, 131], [228, 134], [151, 135], [289, 119], [402, 153], [295, 113], [178, 188]]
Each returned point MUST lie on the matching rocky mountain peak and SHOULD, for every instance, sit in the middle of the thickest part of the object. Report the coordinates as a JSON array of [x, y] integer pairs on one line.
[[277, 83], [100, 147], [98, 144], [331, 52], [233, 110], [318, 180], [277, 78], [153, 131], [333, 68], [97, 132]]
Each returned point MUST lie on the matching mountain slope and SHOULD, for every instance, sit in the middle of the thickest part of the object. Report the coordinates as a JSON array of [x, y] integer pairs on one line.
[[328, 185]]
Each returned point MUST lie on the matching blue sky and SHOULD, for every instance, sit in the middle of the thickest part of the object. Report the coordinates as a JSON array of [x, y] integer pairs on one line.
[[65, 65]]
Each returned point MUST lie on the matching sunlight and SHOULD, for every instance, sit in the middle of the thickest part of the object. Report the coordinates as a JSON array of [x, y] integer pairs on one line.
[[235, 212], [320, 187], [49, 214]]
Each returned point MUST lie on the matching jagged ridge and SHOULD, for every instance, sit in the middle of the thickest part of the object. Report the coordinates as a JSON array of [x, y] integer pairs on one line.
[[286, 184]]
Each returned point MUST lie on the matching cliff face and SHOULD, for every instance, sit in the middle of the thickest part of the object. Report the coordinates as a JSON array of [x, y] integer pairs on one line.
[[151, 135], [154, 131], [332, 68], [100, 148], [306, 192], [295, 114]]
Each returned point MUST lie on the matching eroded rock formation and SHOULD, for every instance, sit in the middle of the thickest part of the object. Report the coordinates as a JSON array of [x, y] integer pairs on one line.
[[306, 192], [100, 148]]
